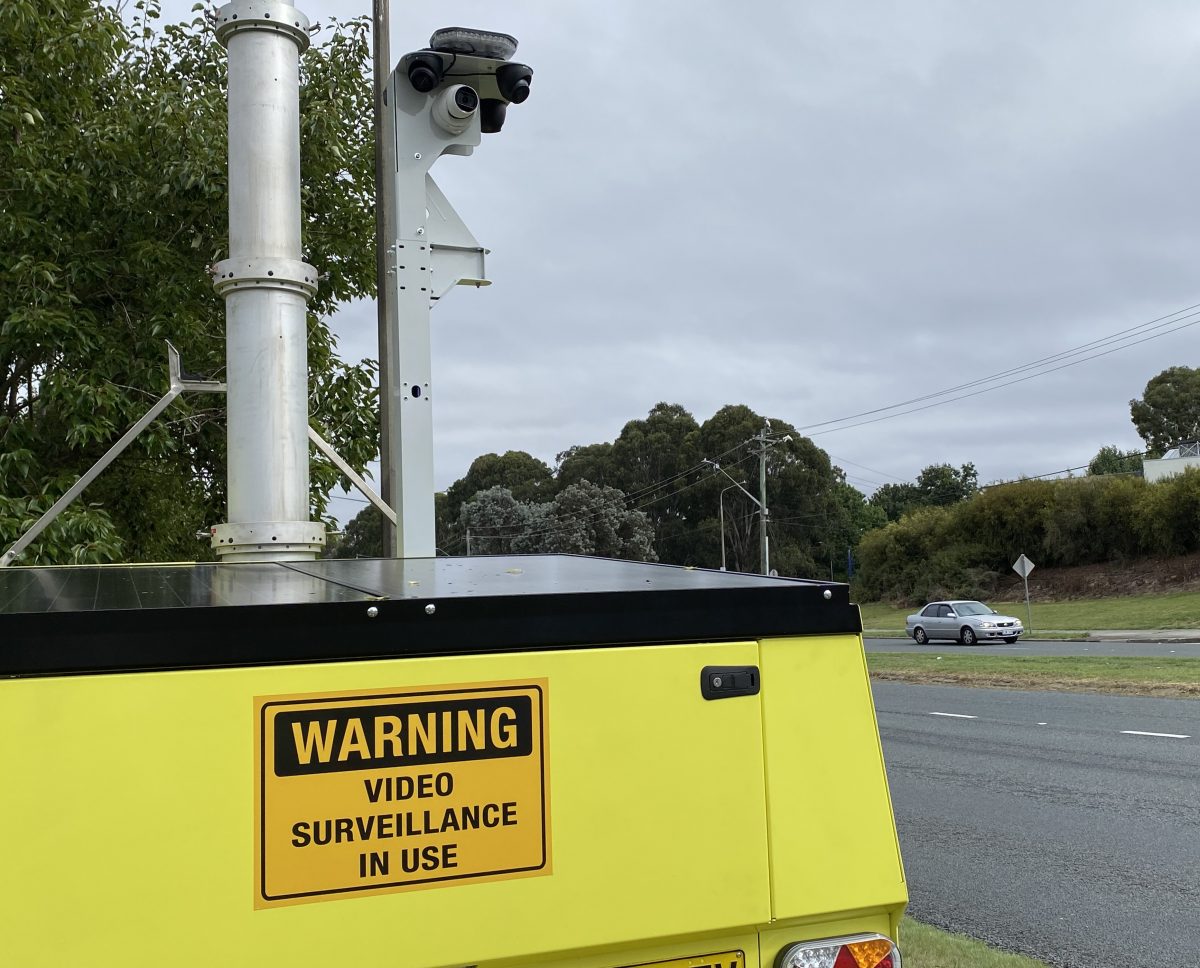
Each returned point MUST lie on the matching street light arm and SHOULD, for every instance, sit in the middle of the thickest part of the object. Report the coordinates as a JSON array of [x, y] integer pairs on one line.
[[716, 466]]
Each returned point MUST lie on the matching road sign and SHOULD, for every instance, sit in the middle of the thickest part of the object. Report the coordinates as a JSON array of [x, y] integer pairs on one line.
[[1023, 566]]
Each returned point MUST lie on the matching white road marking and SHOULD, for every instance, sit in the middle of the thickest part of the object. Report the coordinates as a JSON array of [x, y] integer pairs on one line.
[[1138, 732], [954, 715], [1043, 724]]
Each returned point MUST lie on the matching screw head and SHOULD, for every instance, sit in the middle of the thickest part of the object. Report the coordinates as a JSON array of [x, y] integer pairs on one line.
[[417, 155], [372, 612], [827, 594], [420, 230], [430, 608], [716, 682]]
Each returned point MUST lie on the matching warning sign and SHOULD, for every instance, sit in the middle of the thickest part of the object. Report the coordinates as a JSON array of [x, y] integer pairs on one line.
[[370, 793]]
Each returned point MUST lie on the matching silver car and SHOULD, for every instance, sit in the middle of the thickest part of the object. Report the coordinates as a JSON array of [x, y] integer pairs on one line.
[[965, 621]]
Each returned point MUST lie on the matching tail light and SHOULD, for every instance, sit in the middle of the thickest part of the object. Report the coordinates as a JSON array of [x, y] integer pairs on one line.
[[860, 951]]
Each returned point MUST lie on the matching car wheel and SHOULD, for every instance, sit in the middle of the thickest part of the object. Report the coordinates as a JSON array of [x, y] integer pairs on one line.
[[920, 636], [1010, 639], [967, 635]]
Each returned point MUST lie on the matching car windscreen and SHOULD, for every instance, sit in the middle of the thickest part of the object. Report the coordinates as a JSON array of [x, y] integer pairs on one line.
[[972, 608]]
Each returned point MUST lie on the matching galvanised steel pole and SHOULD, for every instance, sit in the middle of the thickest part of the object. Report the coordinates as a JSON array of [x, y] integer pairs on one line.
[[266, 286], [385, 173]]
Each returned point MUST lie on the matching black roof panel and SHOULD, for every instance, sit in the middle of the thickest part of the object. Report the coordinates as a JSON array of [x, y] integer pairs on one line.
[[129, 617]]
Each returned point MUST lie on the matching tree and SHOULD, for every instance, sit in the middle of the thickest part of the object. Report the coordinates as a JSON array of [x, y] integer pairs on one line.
[[588, 519], [583, 518], [112, 180], [652, 460], [938, 485], [896, 500], [592, 462], [496, 523], [1112, 460], [1169, 412], [362, 537], [525, 477]]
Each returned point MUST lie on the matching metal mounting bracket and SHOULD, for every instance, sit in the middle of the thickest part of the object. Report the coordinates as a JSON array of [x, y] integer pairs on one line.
[[179, 383]]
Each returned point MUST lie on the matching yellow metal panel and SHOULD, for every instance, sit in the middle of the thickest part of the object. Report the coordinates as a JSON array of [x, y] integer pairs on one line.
[[833, 841], [694, 948], [128, 809]]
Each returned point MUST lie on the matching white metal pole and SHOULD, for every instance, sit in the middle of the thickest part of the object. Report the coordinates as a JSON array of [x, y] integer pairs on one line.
[[385, 174], [266, 286]]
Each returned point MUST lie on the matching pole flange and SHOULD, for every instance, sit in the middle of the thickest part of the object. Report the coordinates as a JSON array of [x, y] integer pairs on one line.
[[262, 15], [290, 275], [265, 539]]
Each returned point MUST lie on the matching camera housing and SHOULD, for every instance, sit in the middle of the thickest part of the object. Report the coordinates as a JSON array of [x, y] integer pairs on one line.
[[460, 57], [425, 71], [453, 108]]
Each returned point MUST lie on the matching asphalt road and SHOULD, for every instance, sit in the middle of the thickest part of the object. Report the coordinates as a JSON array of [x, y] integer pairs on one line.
[[1182, 650], [1048, 823]]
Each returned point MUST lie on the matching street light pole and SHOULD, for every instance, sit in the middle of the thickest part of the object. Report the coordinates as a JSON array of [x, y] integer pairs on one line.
[[762, 510], [764, 438], [721, 504]]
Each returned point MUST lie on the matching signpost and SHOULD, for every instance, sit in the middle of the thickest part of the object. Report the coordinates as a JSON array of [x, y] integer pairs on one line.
[[1023, 566]]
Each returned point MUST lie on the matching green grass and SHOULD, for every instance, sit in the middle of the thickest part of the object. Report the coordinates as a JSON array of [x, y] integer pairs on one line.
[[1143, 676], [924, 947], [1176, 611]]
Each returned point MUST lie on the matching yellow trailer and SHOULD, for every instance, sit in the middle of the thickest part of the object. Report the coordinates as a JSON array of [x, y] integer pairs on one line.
[[498, 761]]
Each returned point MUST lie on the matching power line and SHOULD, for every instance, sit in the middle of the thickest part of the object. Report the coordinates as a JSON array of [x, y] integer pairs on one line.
[[1000, 386], [873, 470], [1184, 317]]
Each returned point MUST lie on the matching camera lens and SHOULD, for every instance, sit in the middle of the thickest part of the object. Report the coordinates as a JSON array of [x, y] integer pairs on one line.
[[425, 72], [465, 98]]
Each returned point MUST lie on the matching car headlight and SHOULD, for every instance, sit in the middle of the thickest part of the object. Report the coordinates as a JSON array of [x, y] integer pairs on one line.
[[987, 625]]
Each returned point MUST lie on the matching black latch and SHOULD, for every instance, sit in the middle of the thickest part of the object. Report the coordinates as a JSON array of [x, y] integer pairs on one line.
[[721, 682]]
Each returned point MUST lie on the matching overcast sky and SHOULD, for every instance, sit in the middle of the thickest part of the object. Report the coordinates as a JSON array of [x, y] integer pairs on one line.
[[819, 209]]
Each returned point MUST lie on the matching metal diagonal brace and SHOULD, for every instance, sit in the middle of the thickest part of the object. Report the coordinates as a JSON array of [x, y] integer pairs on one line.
[[327, 449], [178, 385]]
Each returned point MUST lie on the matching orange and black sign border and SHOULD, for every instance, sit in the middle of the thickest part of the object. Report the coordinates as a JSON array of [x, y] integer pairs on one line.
[[260, 799]]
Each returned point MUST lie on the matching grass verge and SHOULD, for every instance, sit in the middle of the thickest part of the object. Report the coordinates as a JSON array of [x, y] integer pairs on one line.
[[924, 947], [1177, 611], [1138, 676]]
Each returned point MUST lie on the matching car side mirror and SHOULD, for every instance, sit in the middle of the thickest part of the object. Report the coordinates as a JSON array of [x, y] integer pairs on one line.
[[994, 612], [952, 615]]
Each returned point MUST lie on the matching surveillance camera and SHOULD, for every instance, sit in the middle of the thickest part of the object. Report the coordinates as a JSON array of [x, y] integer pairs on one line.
[[492, 118], [513, 81], [454, 107], [425, 72]]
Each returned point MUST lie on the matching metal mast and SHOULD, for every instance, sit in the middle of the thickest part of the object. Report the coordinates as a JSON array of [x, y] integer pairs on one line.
[[385, 168], [438, 101], [266, 286]]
